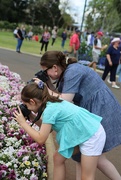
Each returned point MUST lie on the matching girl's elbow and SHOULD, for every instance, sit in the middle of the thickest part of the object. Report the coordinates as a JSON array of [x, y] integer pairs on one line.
[[40, 142]]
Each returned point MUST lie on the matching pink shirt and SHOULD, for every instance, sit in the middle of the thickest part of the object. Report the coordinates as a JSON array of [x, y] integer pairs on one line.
[[46, 36], [75, 40]]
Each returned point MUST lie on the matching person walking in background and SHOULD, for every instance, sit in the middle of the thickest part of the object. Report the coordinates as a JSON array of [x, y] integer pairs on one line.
[[84, 87], [64, 37], [36, 37], [30, 35], [96, 51], [45, 40], [20, 39], [15, 32], [90, 39], [112, 61], [24, 32], [54, 35], [86, 128], [75, 43]]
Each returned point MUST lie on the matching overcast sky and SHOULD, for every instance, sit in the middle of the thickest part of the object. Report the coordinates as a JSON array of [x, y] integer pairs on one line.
[[78, 8]]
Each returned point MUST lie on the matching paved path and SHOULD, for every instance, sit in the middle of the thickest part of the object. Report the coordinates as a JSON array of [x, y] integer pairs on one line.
[[27, 65]]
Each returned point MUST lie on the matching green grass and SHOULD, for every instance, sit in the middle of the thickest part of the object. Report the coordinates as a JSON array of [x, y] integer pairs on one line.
[[7, 40]]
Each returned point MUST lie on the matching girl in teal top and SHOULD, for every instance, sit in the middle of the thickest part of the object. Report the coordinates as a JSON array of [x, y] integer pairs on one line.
[[76, 128]]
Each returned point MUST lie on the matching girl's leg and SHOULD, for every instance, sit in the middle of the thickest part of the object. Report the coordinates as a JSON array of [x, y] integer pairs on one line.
[[107, 168], [88, 167], [78, 171], [59, 167]]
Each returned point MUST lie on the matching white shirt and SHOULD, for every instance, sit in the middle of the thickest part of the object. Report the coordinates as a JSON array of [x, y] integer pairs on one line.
[[15, 31], [99, 44], [88, 39]]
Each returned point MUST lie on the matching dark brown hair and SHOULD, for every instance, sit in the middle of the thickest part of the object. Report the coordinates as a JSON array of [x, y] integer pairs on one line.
[[51, 58], [33, 91]]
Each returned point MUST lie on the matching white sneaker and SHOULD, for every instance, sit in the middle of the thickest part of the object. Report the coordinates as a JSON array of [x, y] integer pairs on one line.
[[115, 86], [108, 81]]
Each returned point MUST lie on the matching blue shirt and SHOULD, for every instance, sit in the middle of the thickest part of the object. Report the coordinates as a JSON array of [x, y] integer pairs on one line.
[[114, 54], [74, 125]]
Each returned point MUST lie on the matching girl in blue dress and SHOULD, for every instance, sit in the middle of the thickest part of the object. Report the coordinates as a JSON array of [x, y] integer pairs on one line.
[[74, 125], [84, 87]]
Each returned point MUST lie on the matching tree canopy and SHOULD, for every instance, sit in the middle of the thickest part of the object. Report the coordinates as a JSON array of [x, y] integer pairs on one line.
[[35, 12], [104, 15]]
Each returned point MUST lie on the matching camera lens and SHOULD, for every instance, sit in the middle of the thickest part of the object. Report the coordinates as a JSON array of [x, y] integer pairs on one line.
[[25, 111]]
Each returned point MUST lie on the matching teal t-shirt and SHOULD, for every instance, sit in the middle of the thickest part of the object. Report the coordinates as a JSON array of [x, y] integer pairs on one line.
[[74, 125]]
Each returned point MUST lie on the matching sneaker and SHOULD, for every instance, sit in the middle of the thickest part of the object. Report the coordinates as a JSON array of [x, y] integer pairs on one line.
[[108, 81], [115, 86]]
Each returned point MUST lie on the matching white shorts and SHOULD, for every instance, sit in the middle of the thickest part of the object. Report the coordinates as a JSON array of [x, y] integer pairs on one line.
[[94, 146], [95, 57]]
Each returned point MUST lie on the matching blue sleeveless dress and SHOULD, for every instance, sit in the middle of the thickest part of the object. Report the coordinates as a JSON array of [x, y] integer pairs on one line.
[[93, 94]]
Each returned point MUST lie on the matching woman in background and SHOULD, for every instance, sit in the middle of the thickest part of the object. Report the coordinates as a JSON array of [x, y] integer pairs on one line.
[[45, 40], [112, 62]]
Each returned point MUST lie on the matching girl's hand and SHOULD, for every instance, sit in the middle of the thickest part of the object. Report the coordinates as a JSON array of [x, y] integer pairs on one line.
[[18, 116], [36, 80]]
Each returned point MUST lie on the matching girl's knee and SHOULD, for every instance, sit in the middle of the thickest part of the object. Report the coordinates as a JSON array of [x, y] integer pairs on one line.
[[58, 159], [102, 161]]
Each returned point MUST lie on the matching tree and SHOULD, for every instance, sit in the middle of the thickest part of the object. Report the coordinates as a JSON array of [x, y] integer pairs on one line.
[[101, 14], [12, 10], [35, 12], [117, 5]]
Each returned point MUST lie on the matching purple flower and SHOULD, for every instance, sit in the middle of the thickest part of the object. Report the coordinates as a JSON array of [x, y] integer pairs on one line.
[[12, 175], [2, 136], [26, 146], [3, 167]]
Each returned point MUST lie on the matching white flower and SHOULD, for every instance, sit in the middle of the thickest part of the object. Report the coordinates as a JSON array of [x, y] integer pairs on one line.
[[35, 164], [18, 143], [25, 158], [1, 129], [33, 176], [4, 118], [27, 171], [16, 150], [15, 166], [23, 178], [8, 164]]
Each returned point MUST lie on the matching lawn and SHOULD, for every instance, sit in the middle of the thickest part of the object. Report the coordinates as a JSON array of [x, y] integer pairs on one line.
[[7, 40]]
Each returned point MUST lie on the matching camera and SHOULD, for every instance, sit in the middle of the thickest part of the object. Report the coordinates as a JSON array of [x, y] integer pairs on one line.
[[42, 75], [25, 111]]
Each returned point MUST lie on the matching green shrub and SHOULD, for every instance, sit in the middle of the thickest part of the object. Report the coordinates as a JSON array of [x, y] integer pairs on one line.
[[85, 52]]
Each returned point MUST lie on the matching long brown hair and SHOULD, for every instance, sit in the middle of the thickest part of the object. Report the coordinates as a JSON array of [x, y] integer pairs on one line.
[[33, 91], [51, 58]]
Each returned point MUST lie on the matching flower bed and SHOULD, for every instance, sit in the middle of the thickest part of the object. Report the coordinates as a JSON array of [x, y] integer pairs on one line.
[[20, 157]]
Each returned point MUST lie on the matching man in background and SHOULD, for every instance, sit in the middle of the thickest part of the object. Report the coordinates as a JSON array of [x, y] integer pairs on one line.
[[20, 39], [15, 32], [96, 51], [75, 43], [64, 37], [54, 35]]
